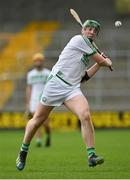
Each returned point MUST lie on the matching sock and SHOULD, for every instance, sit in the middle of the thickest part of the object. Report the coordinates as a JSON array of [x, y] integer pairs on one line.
[[38, 141], [91, 151], [47, 135], [25, 147]]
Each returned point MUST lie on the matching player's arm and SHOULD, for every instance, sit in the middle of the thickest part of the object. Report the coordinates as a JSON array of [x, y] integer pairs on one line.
[[101, 60], [101, 53], [86, 46], [28, 96], [90, 72]]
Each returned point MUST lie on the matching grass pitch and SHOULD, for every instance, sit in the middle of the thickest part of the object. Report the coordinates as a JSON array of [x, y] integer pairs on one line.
[[66, 158]]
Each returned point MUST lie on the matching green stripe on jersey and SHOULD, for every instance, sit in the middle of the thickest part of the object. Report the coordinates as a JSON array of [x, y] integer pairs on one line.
[[90, 45], [49, 78], [38, 78], [85, 59]]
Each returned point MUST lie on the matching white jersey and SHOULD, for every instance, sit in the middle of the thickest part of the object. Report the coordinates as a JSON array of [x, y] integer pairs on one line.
[[37, 80], [73, 60]]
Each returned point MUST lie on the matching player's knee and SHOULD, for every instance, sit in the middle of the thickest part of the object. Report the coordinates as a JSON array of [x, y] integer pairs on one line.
[[37, 121], [84, 115]]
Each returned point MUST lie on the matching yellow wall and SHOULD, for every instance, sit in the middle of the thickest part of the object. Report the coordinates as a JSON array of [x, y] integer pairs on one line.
[[66, 120], [24, 43], [122, 7]]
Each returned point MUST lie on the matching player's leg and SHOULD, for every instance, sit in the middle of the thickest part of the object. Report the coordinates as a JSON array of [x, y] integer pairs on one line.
[[39, 117], [38, 136], [79, 106], [38, 133], [48, 132]]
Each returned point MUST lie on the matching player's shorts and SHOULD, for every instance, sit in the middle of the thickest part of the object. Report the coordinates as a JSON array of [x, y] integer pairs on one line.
[[56, 92], [33, 106]]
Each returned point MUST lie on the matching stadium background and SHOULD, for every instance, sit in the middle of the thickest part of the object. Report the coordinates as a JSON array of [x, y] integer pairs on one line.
[[38, 26], [30, 26]]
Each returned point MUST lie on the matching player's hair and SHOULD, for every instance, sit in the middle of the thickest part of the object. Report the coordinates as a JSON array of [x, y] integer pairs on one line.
[[38, 56]]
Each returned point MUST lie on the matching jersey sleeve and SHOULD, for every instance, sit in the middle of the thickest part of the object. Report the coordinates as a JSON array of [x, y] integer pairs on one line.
[[83, 44], [28, 80], [48, 72]]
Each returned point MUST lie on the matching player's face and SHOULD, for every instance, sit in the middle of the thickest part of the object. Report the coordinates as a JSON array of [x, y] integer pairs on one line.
[[38, 64], [90, 32]]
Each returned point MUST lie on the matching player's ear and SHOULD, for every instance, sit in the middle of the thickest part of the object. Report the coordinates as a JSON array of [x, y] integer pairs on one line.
[[83, 29]]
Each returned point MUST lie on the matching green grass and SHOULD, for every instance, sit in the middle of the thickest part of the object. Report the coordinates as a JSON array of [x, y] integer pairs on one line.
[[66, 158]]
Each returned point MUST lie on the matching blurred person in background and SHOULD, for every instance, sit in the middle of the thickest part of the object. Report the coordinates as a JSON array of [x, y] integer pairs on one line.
[[63, 87], [36, 80]]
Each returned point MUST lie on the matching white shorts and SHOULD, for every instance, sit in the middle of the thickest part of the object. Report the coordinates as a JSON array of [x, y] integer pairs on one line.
[[33, 106], [56, 92]]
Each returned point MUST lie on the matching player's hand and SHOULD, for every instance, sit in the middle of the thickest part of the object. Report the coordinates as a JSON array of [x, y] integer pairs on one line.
[[107, 63], [102, 53], [110, 67]]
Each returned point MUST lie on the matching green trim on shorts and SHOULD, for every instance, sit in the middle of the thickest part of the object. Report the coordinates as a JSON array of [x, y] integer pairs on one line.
[[63, 80]]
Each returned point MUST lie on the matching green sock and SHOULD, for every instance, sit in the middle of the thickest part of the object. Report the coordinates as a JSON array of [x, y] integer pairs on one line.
[[25, 147], [39, 141], [91, 151], [47, 135]]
